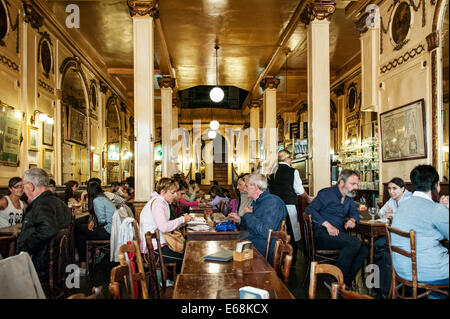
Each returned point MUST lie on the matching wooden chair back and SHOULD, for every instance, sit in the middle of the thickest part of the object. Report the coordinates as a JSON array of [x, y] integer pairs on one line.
[[414, 284], [338, 291], [222, 207], [9, 245], [120, 280], [283, 256], [317, 269], [152, 267], [97, 293], [283, 225], [162, 264], [139, 276], [315, 254], [59, 258], [278, 235]]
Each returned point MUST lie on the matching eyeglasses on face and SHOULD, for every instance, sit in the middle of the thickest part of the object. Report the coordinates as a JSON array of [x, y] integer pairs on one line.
[[18, 186]]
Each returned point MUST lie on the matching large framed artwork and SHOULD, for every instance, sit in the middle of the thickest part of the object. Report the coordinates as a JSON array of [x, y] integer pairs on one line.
[[403, 134], [47, 134], [10, 135], [95, 162], [77, 126], [32, 138], [47, 161]]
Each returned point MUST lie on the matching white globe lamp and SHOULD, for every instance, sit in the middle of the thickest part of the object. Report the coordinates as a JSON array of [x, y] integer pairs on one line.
[[212, 134], [216, 94], [214, 125]]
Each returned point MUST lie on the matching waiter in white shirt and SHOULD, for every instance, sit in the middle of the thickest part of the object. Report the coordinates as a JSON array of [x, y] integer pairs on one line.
[[286, 183]]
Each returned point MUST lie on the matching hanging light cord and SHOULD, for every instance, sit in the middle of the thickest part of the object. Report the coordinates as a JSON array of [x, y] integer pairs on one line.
[[217, 67]]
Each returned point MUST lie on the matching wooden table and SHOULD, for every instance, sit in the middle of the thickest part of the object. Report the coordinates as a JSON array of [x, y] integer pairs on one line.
[[10, 230], [201, 209], [200, 279], [212, 234], [372, 230]]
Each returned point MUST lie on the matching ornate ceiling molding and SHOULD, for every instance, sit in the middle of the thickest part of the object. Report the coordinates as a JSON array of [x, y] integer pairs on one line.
[[166, 82], [143, 8], [269, 83], [339, 90], [319, 10]]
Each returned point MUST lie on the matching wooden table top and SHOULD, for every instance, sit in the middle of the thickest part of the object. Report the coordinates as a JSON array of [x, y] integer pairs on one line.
[[207, 286], [194, 263], [7, 231]]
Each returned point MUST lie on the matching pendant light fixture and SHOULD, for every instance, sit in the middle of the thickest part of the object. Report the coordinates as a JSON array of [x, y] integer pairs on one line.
[[216, 94]]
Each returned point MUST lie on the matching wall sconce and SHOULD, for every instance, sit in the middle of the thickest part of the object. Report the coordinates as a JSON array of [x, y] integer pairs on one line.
[[42, 117]]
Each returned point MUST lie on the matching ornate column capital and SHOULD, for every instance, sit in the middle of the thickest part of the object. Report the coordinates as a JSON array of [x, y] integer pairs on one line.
[[269, 83], [143, 8], [103, 87], [166, 82], [319, 10], [32, 16], [175, 102], [339, 90], [254, 104]]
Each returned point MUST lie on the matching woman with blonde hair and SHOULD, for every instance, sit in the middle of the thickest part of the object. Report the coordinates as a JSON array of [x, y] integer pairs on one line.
[[156, 214]]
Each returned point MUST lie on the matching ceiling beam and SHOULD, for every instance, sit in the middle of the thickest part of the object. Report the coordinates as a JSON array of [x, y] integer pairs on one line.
[[284, 38]]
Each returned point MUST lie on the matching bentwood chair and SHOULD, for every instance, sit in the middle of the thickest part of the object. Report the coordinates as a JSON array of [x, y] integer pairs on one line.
[[59, 258], [136, 266], [402, 283], [338, 291], [282, 257], [156, 291], [121, 283], [317, 255], [162, 264], [317, 269]]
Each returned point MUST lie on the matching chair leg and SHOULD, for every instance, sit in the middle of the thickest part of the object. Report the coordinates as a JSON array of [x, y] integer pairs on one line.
[[308, 269], [87, 258]]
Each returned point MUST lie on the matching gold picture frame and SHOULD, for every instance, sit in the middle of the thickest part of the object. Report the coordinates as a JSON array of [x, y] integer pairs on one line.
[[95, 162], [47, 160], [33, 138]]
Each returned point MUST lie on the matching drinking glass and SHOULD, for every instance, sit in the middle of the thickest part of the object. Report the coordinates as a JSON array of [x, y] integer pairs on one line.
[[382, 215], [372, 212]]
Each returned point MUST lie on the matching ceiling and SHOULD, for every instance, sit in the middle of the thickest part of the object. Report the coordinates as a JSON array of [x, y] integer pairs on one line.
[[253, 38]]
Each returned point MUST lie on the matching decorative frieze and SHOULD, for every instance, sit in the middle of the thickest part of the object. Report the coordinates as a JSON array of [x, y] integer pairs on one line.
[[46, 86], [9, 63], [319, 10], [32, 16], [401, 59], [143, 8]]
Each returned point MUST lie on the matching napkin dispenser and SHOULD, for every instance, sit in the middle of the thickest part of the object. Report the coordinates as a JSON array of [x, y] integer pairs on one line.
[[244, 251]]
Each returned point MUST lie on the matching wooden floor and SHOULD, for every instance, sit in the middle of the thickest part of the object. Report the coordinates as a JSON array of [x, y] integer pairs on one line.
[[100, 276]]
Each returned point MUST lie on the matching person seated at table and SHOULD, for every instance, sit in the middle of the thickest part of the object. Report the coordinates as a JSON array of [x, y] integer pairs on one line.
[[101, 211], [121, 191], [193, 190], [179, 205], [129, 187], [429, 220], [244, 200], [71, 198], [329, 210], [156, 214], [52, 186], [217, 196], [268, 212], [111, 194], [43, 219], [398, 194], [11, 207]]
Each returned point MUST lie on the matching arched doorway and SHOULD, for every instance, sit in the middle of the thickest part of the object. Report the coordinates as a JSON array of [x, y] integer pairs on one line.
[[220, 159], [113, 141], [74, 104]]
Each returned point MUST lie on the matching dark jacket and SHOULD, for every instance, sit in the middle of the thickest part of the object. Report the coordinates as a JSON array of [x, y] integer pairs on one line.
[[281, 183], [43, 219], [268, 212]]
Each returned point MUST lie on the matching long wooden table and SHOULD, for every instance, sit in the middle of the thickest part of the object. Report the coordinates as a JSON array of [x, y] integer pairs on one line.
[[200, 279], [212, 234]]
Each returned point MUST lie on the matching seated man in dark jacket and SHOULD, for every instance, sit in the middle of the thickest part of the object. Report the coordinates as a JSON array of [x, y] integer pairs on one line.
[[43, 219], [268, 212]]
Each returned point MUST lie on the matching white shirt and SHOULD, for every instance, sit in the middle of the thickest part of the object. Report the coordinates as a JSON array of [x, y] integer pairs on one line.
[[394, 204], [422, 194], [298, 186]]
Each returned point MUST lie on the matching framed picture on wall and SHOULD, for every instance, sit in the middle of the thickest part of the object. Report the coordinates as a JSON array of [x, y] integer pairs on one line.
[[47, 134], [47, 160], [32, 157], [403, 132], [95, 162], [32, 138], [77, 126]]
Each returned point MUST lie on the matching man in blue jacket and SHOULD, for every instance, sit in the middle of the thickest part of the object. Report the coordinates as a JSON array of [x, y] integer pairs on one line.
[[329, 211], [267, 213]]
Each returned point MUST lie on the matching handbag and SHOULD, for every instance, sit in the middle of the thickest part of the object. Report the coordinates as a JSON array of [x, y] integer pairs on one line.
[[175, 240]]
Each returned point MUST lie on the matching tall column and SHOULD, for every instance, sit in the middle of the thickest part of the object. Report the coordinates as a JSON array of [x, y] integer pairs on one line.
[[315, 16], [254, 128], [166, 84], [143, 13], [340, 95], [179, 157], [269, 86]]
